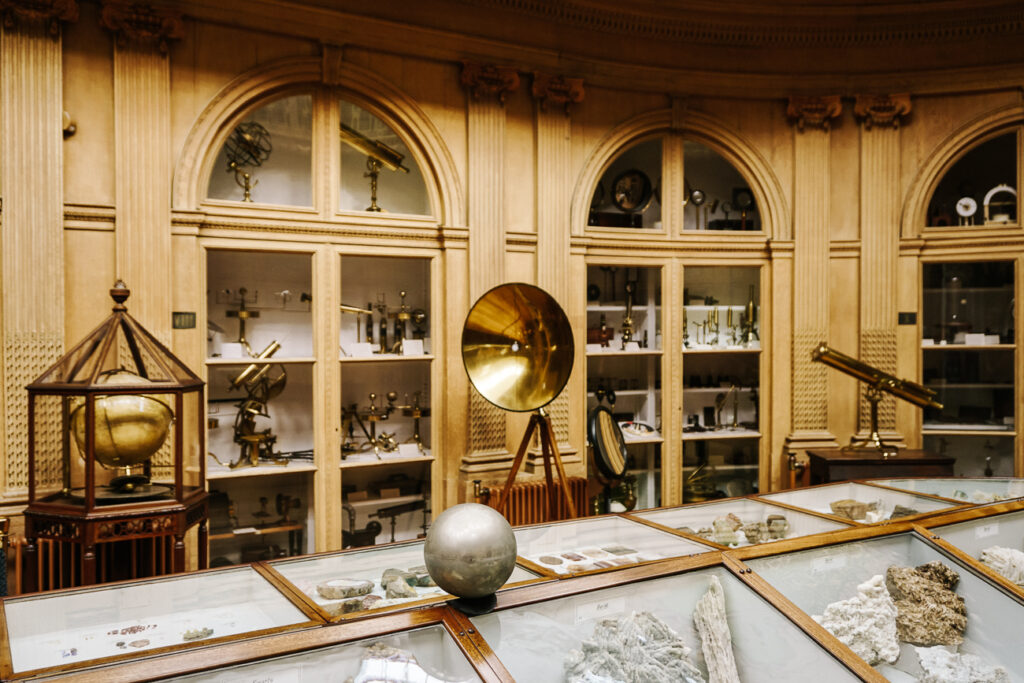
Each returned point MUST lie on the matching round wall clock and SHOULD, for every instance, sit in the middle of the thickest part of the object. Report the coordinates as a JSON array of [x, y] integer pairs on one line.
[[698, 197], [631, 191], [966, 206], [742, 199]]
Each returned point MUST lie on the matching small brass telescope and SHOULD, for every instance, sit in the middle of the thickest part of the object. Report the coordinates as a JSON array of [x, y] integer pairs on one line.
[[377, 154], [878, 382]]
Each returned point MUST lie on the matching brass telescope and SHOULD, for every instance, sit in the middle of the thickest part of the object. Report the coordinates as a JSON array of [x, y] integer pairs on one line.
[[878, 381]]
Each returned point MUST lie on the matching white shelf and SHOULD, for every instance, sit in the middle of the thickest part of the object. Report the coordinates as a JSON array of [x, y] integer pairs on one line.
[[724, 349], [620, 393], [713, 390], [722, 434], [611, 353], [222, 472], [653, 437], [722, 468], [363, 460], [968, 347], [374, 503], [996, 430], [968, 385], [385, 358], [620, 308], [273, 360]]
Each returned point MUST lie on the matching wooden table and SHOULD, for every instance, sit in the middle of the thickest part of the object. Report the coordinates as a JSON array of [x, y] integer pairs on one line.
[[836, 464]]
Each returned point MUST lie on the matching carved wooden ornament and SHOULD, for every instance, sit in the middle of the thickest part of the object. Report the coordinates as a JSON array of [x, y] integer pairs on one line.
[[556, 90], [815, 112], [488, 80], [50, 12], [142, 23], [881, 110]]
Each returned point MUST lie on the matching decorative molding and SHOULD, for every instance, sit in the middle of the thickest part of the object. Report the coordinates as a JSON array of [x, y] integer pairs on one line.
[[141, 23], [334, 65], [813, 112], [486, 425], [878, 349], [48, 12], [881, 110], [559, 91], [489, 80]]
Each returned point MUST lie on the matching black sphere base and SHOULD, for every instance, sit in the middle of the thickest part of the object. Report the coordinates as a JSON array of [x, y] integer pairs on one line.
[[473, 607]]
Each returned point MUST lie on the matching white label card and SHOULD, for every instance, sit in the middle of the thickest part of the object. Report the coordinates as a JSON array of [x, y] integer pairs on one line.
[[986, 530], [600, 609], [412, 347], [829, 563], [408, 450]]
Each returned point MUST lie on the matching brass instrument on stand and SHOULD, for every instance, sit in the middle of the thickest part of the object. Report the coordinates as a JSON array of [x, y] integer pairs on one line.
[[260, 388], [378, 155]]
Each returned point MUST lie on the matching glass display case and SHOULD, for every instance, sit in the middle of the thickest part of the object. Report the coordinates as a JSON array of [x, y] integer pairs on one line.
[[716, 196], [579, 546], [260, 373], [624, 370], [979, 188], [968, 348], [862, 503], [846, 588], [79, 627], [386, 364], [355, 581], [654, 624], [979, 490], [628, 195], [740, 521], [994, 541], [721, 381]]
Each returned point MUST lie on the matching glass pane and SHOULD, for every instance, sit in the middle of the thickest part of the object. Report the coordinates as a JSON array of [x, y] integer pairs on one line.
[[267, 158], [377, 171], [970, 490], [859, 502], [717, 197], [629, 192], [980, 188]]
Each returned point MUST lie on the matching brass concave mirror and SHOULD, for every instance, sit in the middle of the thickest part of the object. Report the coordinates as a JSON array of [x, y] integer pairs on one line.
[[608, 443], [517, 347]]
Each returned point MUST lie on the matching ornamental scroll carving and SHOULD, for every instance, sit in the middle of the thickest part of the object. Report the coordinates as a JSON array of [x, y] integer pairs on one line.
[[49, 12], [146, 526], [488, 80], [814, 112], [140, 23], [558, 91], [881, 110]]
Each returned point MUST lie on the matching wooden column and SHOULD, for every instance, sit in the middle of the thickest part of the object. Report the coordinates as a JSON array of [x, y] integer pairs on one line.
[[32, 236], [880, 117], [811, 224], [142, 158], [555, 97], [487, 87]]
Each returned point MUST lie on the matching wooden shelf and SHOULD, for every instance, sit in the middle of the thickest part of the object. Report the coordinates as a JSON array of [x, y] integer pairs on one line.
[[352, 464], [257, 531], [964, 430], [221, 472], [722, 434]]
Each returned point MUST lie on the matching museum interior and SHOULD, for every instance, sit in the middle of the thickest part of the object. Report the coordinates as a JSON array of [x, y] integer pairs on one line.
[[692, 299]]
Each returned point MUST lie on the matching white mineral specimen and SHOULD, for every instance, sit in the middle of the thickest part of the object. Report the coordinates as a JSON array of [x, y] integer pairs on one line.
[[1007, 562], [639, 648], [385, 664], [942, 666], [715, 637], [866, 623]]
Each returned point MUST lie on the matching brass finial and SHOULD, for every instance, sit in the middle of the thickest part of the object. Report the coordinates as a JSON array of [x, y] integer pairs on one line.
[[120, 293]]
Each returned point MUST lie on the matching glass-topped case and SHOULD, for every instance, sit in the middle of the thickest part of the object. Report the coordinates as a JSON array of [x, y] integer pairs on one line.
[[995, 541], [978, 490], [75, 627], [847, 586], [861, 503], [654, 624], [427, 654], [740, 521], [347, 582], [587, 545]]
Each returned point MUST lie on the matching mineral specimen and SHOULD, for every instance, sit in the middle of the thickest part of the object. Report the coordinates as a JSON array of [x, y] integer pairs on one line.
[[385, 663], [390, 574], [725, 531], [942, 666], [755, 532], [849, 508], [1007, 562], [397, 587], [350, 605], [866, 622], [903, 511], [338, 589], [715, 637], [639, 648], [778, 526], [551, 559], [929, 612], [197, 633]]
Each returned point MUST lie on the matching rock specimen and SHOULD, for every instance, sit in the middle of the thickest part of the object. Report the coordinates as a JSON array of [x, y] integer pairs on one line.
[[778, 526], [755, 532], [385, 663], [1007, 562], [392, 573], [423, 579], [903, 511], [639, 648], [929, 612], [350, 605], [715, 637], [339, 589], [849, 508], [398, 587], [942, 666], [725, 531], [866, 622]]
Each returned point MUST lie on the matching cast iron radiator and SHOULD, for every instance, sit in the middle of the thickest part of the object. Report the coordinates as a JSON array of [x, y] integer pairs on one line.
[[527, 501]]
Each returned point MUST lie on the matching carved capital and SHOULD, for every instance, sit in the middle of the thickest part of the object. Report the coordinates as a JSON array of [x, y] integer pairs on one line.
[[142, 23], [556, 90], [881, 110], [488, 80], [815, 112], [49, 12]]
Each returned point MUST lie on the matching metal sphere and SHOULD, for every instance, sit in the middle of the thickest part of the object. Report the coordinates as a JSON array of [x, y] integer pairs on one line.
[[470, 550]]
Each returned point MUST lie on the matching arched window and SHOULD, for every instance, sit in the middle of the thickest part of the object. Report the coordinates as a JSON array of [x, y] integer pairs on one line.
[[979, 188]]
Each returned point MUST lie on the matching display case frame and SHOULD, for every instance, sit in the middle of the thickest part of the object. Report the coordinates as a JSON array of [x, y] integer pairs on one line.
[[941, 487], [813, 499]]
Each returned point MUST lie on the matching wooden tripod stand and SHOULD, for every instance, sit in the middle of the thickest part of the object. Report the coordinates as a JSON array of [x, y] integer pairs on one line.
[[549, 449]]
